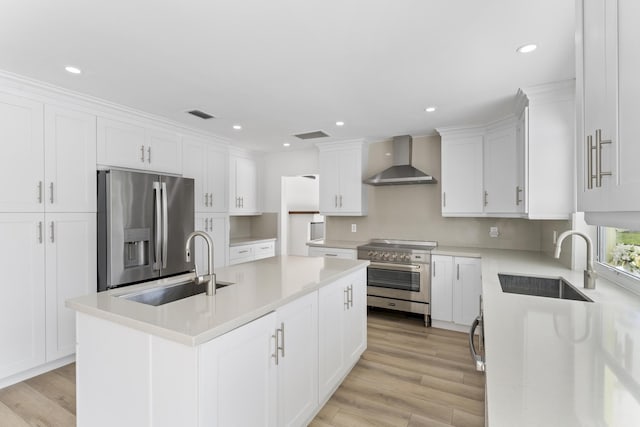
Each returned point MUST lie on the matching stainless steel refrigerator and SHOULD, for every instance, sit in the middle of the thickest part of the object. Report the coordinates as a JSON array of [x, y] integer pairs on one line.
[[143, 223]]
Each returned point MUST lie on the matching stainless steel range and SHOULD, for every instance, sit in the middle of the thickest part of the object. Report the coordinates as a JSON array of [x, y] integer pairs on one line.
[[398, 277]]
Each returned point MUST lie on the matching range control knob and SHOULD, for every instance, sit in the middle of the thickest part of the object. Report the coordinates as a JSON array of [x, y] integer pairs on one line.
[[393, 257]]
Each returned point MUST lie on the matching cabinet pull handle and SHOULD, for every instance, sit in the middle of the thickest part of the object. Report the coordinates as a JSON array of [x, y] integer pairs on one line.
[[142, 153], [590, 175], [599, 143], [330, 254], [444, 199], [457, 271], [149, 155], [210, 199], [518, 191], [243, 252], [335, 202], [206, 200], [281, 347], [52, 237], [350, 295], [434, 269], [206, 224], [486, 197], [39, 191], [341, 200], [39, 231], [346, 298], [275, 353], [51, 192], [242, 202], [264, 247]]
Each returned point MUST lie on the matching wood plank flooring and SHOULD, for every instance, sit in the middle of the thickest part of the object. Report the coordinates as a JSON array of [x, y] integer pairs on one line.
[[409, 376]]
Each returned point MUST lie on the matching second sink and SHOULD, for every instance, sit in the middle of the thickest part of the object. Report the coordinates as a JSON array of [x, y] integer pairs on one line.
[[541, 287]]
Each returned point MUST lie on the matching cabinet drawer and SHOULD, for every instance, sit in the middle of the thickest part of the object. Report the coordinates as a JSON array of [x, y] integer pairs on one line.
[[241, 252], [264, 250], [333, 252]]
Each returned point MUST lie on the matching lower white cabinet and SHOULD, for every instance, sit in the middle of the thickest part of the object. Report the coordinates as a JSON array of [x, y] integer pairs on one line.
[[35, 326], [342, 328], [216, 226], [251, 252], [333, 252], [456, 285]]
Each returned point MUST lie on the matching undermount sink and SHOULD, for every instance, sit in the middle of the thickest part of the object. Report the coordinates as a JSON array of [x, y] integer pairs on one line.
[[167, 294], [541, 287]]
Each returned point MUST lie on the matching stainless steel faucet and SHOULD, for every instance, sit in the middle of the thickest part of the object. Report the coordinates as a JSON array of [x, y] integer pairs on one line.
[[589, 274], [209, 279]]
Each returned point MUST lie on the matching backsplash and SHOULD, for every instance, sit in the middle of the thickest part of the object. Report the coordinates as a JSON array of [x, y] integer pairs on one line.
[[242, 227]]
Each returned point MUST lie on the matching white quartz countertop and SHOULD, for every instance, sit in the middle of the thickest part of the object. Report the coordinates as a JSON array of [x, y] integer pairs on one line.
[[258, 288], [341, 244], [250, 240], [552, 362]]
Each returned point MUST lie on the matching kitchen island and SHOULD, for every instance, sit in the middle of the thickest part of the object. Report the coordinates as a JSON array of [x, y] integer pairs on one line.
[[554, 362], [269, 349]]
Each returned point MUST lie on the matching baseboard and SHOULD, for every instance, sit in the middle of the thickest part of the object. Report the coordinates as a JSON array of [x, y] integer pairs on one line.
[[38, 370]]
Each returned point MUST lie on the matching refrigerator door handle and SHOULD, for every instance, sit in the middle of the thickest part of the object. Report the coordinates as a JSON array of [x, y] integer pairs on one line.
[[156, 229], [165, 225]]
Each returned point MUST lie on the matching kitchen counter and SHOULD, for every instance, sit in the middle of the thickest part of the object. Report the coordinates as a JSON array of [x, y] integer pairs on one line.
[[250, 240], [552, 362], [258, 288], [341, 244]]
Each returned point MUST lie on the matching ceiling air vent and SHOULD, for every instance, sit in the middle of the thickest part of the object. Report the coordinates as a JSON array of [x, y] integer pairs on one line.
[[201, 114], [312, 135]]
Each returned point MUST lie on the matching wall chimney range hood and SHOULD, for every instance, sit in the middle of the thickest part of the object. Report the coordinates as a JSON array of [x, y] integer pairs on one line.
[[401, 173]]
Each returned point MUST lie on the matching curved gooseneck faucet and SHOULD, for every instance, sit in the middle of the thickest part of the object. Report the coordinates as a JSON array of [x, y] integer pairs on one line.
[[210, 278], [589, 274]]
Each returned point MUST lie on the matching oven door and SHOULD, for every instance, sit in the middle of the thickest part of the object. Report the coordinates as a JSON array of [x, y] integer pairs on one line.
[[400, 281]]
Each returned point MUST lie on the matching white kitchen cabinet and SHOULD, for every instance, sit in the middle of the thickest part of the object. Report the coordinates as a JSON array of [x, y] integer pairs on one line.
[[342, 333], [608, 102], [251, 251], [456, 286], [70, 160], [135, 146], [207, 165], [342, 166], [333, 252], [239, 376], [70, 272], [217, 227], [22, 292], [297, 325], [243, 184], [462, 185]]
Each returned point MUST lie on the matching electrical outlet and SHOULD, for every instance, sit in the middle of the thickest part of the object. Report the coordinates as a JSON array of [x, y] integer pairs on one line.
[[493, 232], [354, 228]]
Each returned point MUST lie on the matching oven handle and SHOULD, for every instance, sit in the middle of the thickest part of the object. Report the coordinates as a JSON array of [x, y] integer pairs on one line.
[[479, 361], [391, 266]]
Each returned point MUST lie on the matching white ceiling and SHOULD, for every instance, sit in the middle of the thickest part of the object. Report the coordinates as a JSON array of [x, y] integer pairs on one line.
[[280, 67]]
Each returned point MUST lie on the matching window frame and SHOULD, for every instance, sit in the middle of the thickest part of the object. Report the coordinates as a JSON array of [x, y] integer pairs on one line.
[[615, 275]]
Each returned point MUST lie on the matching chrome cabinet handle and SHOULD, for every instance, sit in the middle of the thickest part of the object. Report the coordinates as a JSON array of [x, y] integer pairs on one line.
[[590, 175], [434, 269], [142, 153], [52, 237], [480, 365], [486, 197], [265, 247], [281, 346], [206, 224], [210, 199], [39, 191], [350, 296], [457, 271], [39, 231], [206, 200], [444, 199], [599, 143], [330, 254], [242, 201], [341, 200], [51, 192], [243, 252], [346, 298], [518, 191], [149, 155], [276, 348], [335, 201]]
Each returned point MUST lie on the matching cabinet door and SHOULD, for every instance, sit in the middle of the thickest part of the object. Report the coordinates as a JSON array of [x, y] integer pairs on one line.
[[356, 318], [164, 151], [238, 371], [329, 181], [217, 180], [70, 272], [462, 176], [121, 144], [70, 160], [298, 363], [194, 165], [246, 183], [467, 288], [500, 171], [522, 129], [350, 194], [332, 305], [216, 227], [442, 288], [22, 292], [21, 155]]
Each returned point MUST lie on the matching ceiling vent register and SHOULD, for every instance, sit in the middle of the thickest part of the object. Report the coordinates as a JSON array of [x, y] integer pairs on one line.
[[312, 135], [201, 114]]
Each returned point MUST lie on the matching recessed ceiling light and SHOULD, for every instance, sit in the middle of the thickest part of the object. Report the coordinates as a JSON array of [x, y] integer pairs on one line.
[[73, 70], [286, 144], [339, 123], [237, 127], [527, 48], [430, 109]]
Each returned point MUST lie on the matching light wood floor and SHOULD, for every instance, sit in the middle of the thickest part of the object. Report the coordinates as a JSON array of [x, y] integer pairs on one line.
[[409, 376]]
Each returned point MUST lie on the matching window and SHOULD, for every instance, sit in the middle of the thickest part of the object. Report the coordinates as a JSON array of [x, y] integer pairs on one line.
[[619, 250]]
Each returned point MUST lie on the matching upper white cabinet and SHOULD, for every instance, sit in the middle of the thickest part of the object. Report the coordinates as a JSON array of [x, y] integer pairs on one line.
[[520, 166], [462, 187], [134, 146], [608, 102], [217, 227], [342, 165], [207, 164], [243, 184]]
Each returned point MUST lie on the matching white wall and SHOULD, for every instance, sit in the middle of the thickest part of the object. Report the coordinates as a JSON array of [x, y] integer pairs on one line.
[[286, 163]]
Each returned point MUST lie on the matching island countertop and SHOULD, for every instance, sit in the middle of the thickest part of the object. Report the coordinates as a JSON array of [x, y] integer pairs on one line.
[[258, 288]]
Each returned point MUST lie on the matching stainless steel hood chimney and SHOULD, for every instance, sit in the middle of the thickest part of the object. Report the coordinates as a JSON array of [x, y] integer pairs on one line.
[[401, 173]]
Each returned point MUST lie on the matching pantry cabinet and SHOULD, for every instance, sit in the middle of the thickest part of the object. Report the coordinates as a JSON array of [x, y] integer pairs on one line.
[[456, 286], [342, 166], [135, 146], [207, 164], [243, 185], [608, 102]]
